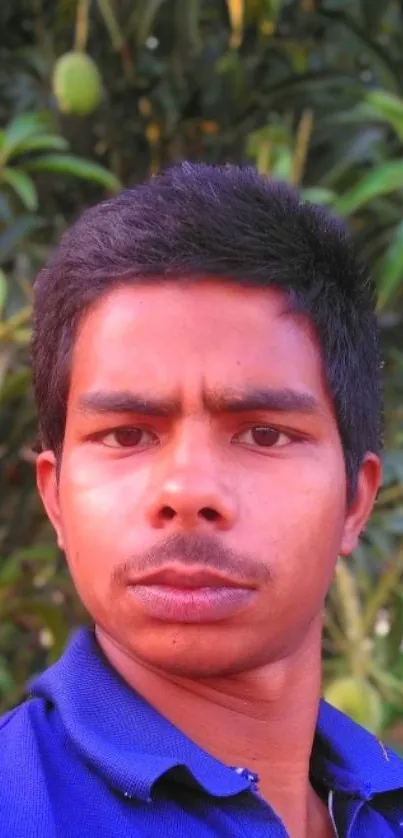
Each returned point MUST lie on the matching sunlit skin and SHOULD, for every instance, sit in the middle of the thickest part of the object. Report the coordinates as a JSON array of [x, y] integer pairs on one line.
[[265, 483]]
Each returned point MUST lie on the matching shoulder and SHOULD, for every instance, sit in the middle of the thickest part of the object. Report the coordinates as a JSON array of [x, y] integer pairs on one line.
[[23, 787], [16, 730], [19, 750], [22, 730]]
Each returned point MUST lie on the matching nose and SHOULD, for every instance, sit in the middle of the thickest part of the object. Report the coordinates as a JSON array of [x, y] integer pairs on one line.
[[192, 495]]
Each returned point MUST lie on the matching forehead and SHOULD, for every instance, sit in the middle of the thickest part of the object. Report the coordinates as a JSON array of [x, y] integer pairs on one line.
[[170, 335]]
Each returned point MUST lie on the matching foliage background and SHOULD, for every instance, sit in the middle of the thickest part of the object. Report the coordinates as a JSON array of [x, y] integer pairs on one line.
[[310, 91]]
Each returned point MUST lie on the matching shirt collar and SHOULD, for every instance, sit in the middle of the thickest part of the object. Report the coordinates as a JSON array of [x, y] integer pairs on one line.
[[351, 759], [129, 743]]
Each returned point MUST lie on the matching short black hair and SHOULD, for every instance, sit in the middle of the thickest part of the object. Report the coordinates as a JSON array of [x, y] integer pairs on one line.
[[195, 220]]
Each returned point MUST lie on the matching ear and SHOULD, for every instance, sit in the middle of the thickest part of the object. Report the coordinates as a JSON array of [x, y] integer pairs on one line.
[[368, 483], [46, 481]]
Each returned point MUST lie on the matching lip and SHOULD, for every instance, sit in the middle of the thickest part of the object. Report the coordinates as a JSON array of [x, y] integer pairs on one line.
[[178, 595], [181, 577], [190, 605]]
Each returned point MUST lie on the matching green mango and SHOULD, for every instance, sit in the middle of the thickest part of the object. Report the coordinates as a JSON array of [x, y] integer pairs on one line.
[[358, 699], [77, 83]]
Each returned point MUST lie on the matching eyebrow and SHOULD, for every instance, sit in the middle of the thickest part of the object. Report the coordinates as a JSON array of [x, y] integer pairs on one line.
[[228, 401]]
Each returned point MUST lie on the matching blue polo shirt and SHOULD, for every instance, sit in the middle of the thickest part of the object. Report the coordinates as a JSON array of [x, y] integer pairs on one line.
[[85, 755]]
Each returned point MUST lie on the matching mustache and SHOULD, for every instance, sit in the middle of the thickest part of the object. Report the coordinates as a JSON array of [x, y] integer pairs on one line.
[[204, 550]]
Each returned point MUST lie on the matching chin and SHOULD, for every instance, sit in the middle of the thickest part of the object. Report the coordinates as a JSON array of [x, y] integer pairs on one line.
[[215, 650], [195, 656]]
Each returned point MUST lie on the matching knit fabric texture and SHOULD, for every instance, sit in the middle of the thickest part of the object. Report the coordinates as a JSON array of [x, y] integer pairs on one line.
[[85, 755]]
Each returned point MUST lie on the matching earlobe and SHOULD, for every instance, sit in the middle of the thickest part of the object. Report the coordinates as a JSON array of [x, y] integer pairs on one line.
[[46, 481], [368, 483]]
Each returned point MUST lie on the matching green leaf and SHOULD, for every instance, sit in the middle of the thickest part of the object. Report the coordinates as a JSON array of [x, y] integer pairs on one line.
[[22, 128], [11, 566], [15, 233], [15, 385], [188, 16], [52, 618], [383, 179], [3, 290], [7, 683], [362, 145], [10, 572], [41, 552], [391, 268], [318, 195], [358, 115], [379, 58], [69, 164], [282, 166], [6, 355], [388, 107], [22, 336], [273, 9], [146, 13], [43, 142], [111, 23], [372, 12], [23, 185]]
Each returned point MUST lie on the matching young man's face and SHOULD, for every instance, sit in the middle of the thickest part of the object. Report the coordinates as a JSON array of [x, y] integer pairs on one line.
[[240, 473]]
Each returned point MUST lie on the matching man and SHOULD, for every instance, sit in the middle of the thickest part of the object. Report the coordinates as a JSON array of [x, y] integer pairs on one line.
[[206, 370]]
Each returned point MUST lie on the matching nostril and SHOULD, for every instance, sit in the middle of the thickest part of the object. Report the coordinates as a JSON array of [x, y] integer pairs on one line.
[[209, 514], [167, 513]]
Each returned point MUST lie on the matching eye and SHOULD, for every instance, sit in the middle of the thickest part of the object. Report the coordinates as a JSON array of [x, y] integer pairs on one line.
[[264, 436], [129, 438]]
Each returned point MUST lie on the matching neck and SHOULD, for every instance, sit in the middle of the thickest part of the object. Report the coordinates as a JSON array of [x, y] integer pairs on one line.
[[273, 710]]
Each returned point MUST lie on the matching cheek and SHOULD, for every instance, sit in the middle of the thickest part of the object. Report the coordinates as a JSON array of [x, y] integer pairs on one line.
[[100, 510], [299, 524]]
